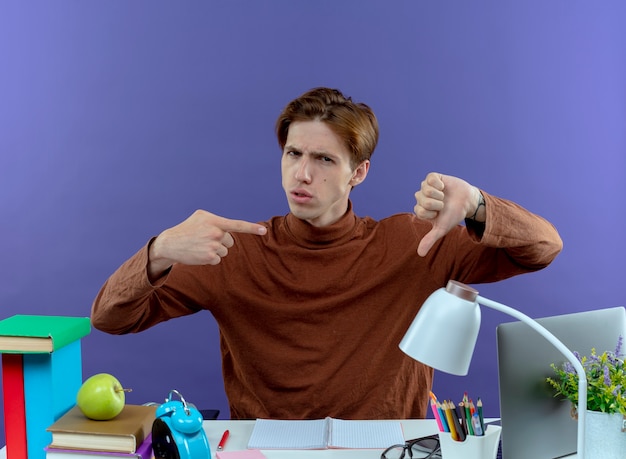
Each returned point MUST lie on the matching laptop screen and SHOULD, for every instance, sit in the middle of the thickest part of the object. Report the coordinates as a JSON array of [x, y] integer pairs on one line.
[[535, 424]]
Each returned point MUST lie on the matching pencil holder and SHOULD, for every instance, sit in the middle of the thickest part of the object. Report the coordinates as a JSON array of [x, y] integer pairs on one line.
[[483, 447]]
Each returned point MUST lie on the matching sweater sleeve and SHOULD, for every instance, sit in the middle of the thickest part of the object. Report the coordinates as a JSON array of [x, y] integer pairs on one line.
[[512, 241], [129, 303], [529, 239]]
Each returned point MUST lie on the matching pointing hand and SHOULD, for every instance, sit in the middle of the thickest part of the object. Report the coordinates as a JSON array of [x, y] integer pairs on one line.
[[202, 239]]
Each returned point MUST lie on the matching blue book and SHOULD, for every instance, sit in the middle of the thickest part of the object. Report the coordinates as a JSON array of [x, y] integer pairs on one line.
[[51, 382]]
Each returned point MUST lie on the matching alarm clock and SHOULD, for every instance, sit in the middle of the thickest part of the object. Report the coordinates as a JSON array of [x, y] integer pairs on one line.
[[177, 431]]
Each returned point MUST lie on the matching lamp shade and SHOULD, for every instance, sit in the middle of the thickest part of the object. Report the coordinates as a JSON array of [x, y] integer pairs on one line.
[[444, 332]]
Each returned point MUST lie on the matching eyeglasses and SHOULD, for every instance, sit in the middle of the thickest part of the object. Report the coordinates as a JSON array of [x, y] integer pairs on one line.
[[415, 448]]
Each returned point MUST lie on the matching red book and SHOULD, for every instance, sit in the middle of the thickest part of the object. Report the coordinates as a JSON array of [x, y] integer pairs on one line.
[[14, 406]]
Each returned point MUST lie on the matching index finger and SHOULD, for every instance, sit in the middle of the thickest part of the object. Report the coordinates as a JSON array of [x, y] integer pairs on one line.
[[240, 226]]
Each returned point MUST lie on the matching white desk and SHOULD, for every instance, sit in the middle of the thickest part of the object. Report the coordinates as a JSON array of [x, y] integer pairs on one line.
[[240, 432]]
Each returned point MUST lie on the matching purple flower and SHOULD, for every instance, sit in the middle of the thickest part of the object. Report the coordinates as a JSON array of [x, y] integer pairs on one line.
[[569, 368], [607, 377], [617, 390], [618, 348]]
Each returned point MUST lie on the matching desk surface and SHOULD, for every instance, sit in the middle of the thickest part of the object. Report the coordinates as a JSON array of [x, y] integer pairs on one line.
[[240, 432]]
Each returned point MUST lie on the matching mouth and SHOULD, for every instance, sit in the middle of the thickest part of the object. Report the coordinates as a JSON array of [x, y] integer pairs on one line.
[[301, 193], [301, 196]]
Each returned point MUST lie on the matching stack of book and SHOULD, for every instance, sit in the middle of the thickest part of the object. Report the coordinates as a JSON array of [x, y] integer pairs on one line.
[[41, 374], [126, 436]]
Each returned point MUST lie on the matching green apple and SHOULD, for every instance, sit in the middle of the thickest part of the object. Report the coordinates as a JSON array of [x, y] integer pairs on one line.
[[101, 397]]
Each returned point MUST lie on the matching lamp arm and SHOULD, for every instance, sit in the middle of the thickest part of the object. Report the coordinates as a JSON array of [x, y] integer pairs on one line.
[[582, 377]]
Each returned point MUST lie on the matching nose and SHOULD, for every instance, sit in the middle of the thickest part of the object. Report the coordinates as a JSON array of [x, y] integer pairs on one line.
[[303, 173]]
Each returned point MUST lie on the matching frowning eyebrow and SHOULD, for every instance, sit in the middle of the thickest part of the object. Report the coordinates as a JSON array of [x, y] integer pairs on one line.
[[312, 152]]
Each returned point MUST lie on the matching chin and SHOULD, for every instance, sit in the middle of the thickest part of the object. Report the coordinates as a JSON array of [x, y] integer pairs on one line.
[[302, 212]]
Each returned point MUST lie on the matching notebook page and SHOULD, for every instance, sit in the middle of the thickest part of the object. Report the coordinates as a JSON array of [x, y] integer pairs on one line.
[[365, 434], [280, 434]]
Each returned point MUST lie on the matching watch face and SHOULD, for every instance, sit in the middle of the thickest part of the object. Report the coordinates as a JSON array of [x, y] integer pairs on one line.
[[163, 444]]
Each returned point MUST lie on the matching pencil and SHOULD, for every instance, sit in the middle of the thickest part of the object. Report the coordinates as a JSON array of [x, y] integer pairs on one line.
[[442, 416], [457, 424], [438, 413], [450, 417], [468, 419], [479, 407], [461, 410], [433, 408]]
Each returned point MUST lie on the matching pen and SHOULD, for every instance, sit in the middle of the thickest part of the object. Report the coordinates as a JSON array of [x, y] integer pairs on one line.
[[478, 431], [222, 442]]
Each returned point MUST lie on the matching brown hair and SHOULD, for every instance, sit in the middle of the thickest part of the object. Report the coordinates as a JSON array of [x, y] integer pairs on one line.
[[354, 122]]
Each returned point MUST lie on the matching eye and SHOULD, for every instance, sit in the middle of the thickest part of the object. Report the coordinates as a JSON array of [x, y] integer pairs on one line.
[[325, 159]]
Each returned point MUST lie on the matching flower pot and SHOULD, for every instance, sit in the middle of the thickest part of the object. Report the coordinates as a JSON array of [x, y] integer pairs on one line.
[[605, 435]]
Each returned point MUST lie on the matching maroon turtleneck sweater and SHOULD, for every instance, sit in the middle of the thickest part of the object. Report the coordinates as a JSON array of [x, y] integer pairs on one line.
[[310, 318]]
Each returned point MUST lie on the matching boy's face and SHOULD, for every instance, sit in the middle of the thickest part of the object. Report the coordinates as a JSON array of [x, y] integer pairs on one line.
[[316, 171]]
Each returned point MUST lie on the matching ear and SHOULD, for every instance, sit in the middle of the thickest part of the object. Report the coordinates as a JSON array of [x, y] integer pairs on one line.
[[360, 173]]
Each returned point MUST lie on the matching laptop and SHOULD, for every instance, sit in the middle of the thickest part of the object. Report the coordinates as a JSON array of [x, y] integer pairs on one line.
[[535, 424]]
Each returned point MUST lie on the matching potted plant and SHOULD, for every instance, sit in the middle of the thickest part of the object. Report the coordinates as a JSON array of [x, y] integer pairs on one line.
[[606, 399]]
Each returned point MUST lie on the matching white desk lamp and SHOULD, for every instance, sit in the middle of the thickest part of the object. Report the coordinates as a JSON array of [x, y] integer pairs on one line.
[[444, 332]]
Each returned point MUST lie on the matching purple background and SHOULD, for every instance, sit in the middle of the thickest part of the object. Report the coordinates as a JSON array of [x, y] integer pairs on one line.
[[119, 118]]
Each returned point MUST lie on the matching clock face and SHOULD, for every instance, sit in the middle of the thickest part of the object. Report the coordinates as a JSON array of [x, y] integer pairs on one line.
[[163, 444]]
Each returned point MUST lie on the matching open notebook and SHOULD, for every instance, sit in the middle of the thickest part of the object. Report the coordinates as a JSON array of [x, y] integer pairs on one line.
[[325, 433]]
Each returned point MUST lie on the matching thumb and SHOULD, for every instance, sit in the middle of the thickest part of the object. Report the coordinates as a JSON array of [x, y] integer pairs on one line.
[[429, 240]]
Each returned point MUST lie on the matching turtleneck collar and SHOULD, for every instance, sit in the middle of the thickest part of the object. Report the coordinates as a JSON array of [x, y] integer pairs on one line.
[[316, 237]]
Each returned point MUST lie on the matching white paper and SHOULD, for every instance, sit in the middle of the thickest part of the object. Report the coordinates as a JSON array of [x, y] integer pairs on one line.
[[277, 434], [325, 433], [365, 434]]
